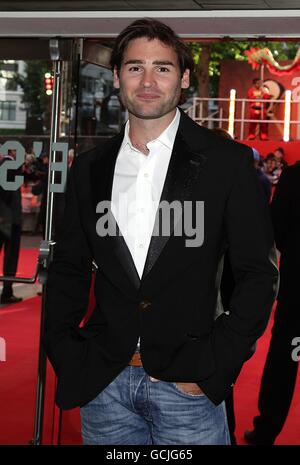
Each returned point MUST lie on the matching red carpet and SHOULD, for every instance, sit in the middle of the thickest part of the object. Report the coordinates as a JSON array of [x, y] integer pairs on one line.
[[246, 395], [26, 264], [19, 326]]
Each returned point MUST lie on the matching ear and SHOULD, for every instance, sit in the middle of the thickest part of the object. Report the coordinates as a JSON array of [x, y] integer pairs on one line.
[[185, 80], [116, 78]]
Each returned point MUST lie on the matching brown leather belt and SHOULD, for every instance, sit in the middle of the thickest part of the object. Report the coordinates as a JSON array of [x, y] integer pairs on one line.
[[136, 360]]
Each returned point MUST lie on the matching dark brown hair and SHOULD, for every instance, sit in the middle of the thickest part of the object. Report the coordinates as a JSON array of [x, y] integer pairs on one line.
[[152, 29]]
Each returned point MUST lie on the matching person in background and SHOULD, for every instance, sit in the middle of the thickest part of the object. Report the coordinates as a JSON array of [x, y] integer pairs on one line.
[[258, 109], [265, 181], [280, 371], [279, 155], [10, 231], [270, 169]]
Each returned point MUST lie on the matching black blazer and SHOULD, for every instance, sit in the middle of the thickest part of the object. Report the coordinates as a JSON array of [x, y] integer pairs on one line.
[[285, 210], [172, 308]]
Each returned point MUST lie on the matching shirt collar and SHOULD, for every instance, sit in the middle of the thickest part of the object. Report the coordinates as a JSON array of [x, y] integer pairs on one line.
[[167, 137]]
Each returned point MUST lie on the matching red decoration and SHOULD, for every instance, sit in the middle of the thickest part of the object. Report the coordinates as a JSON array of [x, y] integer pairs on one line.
[[259, 56]]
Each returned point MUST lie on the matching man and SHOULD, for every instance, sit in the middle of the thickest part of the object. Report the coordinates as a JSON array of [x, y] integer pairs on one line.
[[152, 365], [10, 233], [258, 109], [280, 370]]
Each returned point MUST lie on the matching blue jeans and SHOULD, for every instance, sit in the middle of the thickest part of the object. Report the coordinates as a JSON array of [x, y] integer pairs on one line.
[[134, 410]]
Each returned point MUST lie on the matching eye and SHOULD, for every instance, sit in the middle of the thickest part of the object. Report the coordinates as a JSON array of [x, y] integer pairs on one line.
[[163, 69], [134, 69]]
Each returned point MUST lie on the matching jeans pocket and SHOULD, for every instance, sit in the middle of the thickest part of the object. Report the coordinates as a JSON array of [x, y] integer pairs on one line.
[[189, 393]]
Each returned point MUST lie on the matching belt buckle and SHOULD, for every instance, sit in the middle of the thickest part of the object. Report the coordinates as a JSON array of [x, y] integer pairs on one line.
[[136, 360]]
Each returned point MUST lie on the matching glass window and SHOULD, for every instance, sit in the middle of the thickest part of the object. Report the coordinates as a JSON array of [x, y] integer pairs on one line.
[[8, 111], [9, 66], [100, 111], [8, 73]]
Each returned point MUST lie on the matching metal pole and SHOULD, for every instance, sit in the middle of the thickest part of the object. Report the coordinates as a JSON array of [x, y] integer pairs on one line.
[[55, 121], [55, 127], [262, 72], [221, 118], [201, 111], [41, 381], [78, 61], [43, 261], [243, 120]]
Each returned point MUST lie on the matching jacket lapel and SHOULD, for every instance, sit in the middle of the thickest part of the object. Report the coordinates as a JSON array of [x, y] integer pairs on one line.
[[102, 175], [183, 173]]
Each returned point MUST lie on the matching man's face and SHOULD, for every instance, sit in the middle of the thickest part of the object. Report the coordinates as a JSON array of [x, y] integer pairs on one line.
[[149, 80]]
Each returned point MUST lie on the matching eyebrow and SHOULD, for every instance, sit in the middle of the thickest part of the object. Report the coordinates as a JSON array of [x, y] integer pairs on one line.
[[156, 62]]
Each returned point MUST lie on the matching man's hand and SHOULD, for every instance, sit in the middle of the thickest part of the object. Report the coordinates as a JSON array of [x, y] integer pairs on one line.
[[188, 388]]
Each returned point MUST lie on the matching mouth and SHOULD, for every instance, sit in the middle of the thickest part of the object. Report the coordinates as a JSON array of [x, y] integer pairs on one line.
[[146, 96]]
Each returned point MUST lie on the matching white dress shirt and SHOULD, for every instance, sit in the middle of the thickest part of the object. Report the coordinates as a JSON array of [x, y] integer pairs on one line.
[[137, 188]]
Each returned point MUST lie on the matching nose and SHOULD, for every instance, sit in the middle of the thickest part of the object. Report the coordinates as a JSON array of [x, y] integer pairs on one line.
[[148, 79]]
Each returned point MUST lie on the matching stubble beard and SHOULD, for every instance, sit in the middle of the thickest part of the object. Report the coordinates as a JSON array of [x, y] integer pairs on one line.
[[160, 109]]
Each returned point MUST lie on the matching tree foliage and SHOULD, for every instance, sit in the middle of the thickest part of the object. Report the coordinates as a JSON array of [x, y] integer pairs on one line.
[[32, 83], [221, 50]]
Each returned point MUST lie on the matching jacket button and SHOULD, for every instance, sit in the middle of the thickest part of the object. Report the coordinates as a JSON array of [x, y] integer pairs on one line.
[[144, 305]]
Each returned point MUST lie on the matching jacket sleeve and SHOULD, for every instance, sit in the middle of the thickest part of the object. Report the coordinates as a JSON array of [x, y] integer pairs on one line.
[[281, 209], [254, 264], [68, 285]]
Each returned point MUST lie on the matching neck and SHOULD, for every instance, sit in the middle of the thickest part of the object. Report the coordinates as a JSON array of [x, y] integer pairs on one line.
[[142, 131]]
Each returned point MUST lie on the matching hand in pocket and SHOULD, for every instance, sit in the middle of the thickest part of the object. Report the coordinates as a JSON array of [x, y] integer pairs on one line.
[[190, 388]]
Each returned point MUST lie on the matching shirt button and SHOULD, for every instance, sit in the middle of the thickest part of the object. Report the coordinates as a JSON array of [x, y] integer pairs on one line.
[[146, 175], [141, 246]]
